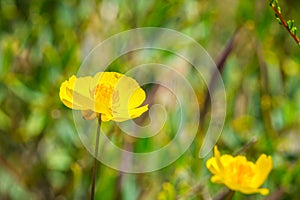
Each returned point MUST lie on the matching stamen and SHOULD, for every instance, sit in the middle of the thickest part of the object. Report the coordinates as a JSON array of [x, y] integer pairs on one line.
[[104, 94]]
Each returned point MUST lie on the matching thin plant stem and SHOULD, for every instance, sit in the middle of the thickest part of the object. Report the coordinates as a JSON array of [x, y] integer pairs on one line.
[[95, 166], [246, 146], [229, 195], [225, 195]]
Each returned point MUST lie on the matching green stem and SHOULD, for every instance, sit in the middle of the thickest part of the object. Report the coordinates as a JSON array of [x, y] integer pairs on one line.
[[95, 166]]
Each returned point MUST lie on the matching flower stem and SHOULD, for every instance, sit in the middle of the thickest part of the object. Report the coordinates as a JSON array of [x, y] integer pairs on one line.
[[95, 166], [229, 195]]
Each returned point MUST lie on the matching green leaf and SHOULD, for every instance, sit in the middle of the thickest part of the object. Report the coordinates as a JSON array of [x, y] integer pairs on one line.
[[276, 4], [294, 30], [278, 8], [290, 24], [278, 19]]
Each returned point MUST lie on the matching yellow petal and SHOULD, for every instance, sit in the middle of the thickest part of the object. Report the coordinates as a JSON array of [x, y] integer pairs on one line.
[[99, 107], [212, 166], [137, 98], [106, 117], [82, 85], [217, 179], [124, 115], [74, 93], [106, 78], [71, 105], [241, 160], [65, 96], [263, 166], [218, 160], [138, 111], [226, 160], [262, 191], [130, 95]]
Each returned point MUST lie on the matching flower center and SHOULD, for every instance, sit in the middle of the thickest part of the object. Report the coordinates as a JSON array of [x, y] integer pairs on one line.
[[242, 172], [105, 94]]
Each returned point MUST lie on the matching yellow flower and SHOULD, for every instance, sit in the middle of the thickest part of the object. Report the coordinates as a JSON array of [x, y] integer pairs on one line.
[[114, 95], [168, 192], [239, 174]]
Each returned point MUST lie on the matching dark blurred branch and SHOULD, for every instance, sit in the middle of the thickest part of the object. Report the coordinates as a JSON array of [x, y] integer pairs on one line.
[[10, 168], [149, 100], [225, 195], [220, 63], [277, 195], [220, 66], [246, 146]]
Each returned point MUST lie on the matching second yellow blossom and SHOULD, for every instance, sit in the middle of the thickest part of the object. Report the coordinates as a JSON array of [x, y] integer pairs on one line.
[[239, 174]]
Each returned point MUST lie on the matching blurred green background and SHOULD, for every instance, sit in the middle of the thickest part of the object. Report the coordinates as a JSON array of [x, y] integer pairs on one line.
[[43, 42]]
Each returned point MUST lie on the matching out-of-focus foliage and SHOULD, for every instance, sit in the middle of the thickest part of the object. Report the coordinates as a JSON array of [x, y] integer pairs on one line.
[[43, 42]]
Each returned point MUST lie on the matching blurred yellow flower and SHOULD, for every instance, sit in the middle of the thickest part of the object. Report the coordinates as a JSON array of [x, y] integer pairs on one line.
[[239, 174], [114, 95], [168, 192]]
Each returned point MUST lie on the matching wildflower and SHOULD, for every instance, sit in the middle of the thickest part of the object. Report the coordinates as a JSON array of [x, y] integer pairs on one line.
[[239, 174], [113, 95], [168, 192]]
